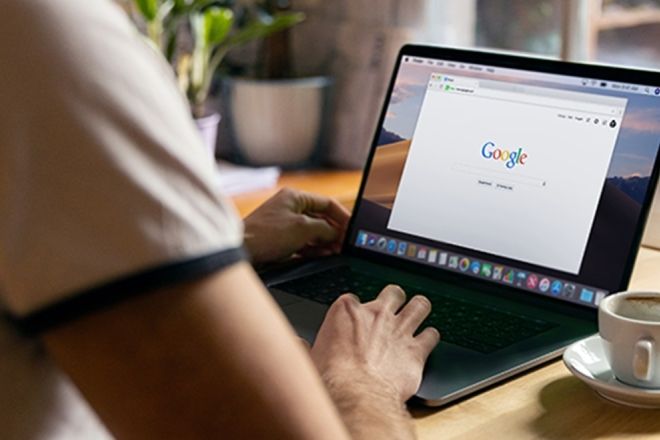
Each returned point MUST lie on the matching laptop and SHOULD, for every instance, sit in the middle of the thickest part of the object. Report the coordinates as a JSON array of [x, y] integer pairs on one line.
[[511, 191]]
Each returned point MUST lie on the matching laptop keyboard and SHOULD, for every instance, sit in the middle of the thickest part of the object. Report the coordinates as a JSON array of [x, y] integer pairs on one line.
[[469, 325]]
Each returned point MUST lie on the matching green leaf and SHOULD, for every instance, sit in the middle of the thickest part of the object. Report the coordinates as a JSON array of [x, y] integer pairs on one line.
[[198, 31], [200, 54], [259, 29], [188, 6], [217, 24], [148, 8]]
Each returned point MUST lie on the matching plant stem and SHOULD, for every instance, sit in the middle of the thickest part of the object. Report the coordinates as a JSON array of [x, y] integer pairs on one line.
[[202, 93], [155, 33], [198, 109], [275, 49]]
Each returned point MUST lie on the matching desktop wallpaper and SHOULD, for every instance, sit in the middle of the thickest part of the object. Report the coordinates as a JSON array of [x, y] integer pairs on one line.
[[624, 190]]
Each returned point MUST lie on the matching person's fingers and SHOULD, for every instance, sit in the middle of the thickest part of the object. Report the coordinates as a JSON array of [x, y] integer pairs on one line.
[[316, 230], [392, 297], [344, 303], [348, 296], [338, 214], [329, 207], [427, 340], [415, 312], [347, 300]]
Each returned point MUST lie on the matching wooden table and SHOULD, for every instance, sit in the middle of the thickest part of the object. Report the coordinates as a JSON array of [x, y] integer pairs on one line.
[[547, 403], [342, 185]]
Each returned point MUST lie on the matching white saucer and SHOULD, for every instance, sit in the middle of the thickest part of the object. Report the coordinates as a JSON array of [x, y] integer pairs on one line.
[[586, 360]]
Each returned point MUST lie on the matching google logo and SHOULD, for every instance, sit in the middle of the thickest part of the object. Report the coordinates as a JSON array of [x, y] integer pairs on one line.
[[512, 158]]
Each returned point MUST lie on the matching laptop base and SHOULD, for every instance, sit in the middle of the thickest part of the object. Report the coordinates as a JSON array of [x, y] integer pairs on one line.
[[452, 371]]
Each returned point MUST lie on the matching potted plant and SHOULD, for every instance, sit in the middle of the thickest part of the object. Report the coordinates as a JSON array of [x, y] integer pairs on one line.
[[197, 54], [272, 115]]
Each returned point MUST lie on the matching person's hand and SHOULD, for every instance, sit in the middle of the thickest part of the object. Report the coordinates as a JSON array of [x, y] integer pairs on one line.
[[371, 347], [293, 222]]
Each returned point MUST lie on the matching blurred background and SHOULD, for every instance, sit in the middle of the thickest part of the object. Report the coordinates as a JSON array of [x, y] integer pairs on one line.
[[347, 48]]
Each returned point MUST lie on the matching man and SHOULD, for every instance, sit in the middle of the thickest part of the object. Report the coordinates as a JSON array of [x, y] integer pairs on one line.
[[116, 250]]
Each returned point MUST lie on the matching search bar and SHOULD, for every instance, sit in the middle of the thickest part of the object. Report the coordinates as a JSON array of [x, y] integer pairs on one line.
[[499, 177]]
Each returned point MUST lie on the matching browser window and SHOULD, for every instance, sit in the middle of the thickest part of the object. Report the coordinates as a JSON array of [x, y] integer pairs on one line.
[[517, 173]]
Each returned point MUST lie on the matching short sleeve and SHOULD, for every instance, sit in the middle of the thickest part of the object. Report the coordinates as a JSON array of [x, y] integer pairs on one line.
[[105, 187]]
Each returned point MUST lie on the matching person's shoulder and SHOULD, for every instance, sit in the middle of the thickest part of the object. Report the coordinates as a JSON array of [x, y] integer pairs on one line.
[[57, 29], [50, 11], [55, 9], [37, 20]]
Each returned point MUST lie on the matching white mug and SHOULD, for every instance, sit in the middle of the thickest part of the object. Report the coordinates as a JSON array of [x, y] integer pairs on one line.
[[629, 323]]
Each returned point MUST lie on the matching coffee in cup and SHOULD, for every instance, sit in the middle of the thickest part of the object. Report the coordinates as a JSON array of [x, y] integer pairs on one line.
[[629, 324]]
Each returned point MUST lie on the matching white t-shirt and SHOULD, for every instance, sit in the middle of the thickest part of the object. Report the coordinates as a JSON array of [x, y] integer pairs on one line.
[[105, 192]]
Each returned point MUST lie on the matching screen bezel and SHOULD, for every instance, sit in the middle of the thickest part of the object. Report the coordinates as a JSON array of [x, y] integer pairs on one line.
[[595, 71]]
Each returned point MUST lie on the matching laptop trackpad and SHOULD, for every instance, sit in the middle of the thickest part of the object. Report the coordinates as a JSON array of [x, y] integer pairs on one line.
[[306, 317], [284, 299]]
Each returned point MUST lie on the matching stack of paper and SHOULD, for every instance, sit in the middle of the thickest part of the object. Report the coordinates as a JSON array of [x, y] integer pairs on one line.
[[234, 179]]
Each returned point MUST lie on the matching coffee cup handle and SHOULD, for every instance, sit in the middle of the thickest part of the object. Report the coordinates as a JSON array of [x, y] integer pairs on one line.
[[643, 360]]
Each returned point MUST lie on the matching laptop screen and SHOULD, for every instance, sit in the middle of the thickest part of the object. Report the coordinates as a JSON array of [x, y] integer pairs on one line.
[[532, 179]]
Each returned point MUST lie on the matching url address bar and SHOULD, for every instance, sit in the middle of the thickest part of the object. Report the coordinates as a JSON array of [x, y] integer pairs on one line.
[[462, 86]]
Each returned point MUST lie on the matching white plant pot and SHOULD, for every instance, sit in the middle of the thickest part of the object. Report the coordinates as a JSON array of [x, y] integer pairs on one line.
[[208, 130], [277, 122]]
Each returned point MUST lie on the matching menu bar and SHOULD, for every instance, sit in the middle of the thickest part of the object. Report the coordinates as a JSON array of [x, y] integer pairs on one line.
[[591, 83]]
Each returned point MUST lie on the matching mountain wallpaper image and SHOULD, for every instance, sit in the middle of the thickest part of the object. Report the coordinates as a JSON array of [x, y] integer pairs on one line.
[[388, 137], [633, 186]]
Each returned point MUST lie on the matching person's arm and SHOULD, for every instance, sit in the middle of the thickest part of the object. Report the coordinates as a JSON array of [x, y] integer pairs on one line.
[[366, 353], [208, 359], [216, 358]]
